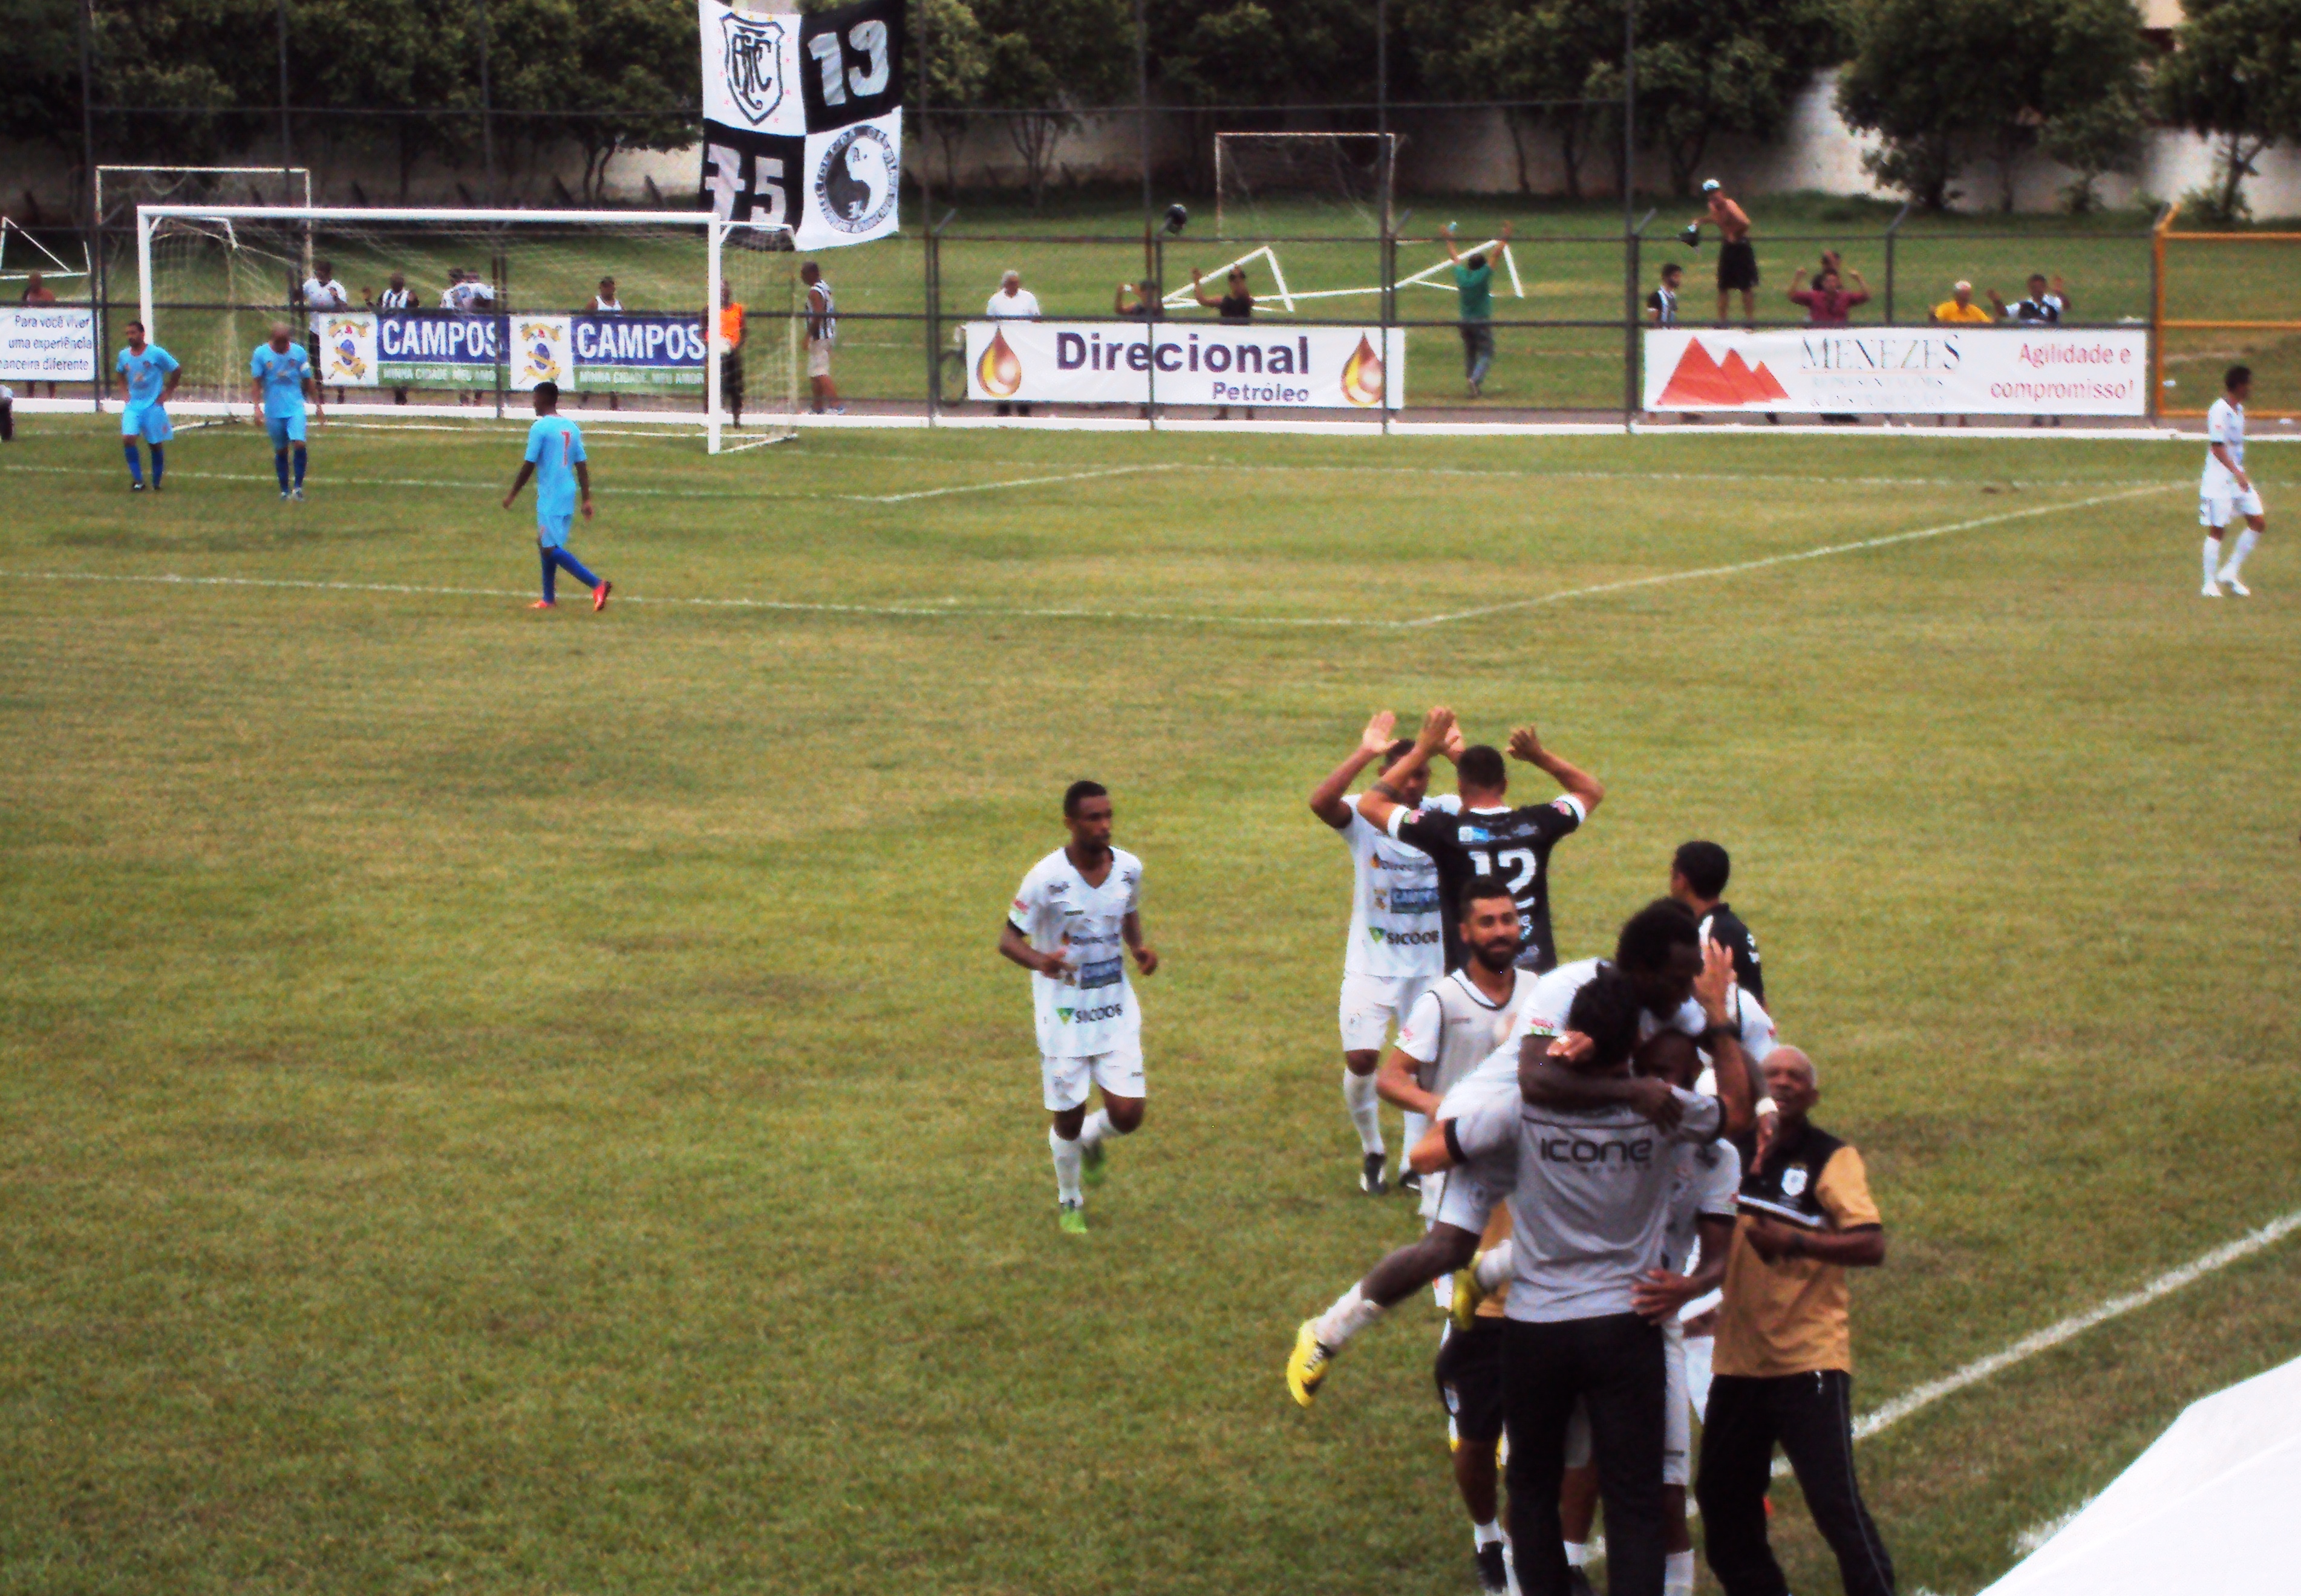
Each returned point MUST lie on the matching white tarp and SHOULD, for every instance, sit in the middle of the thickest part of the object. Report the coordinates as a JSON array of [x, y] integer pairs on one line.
[[2204, 1508], [1197, 362], [1900, 371]]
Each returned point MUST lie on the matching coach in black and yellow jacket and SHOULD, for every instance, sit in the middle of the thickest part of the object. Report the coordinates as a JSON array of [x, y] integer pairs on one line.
[[1784, 1359]]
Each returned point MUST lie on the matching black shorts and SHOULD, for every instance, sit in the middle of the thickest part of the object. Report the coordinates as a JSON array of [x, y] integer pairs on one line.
[[1738, 265], [311, 349], [1470, 1374], [731, 374]]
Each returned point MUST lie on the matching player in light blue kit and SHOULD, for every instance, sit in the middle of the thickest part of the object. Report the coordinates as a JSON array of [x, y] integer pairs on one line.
[[149, 376], [282, 372], [555, 460]]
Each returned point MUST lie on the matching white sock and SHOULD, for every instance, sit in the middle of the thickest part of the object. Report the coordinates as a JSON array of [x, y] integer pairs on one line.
[[1366, 1111], [1677, 1573], [1414, 1127], [1577, 1554], [1493, 1270], [1350, 1314], [2245, 539], [2212, 557], [1489, 1533], [1095, 1127], [1067, 1167]]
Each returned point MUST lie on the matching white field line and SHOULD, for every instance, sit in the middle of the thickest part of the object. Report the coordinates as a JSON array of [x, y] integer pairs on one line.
[[1076, 476], [1771, 560]]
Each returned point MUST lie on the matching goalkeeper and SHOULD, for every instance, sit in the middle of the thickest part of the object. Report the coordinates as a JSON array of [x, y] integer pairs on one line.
[[557, 461]]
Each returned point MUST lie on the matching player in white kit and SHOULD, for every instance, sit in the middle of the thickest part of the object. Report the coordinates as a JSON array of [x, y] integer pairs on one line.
[[1074, 919], [2226, 490], [1396, 949]]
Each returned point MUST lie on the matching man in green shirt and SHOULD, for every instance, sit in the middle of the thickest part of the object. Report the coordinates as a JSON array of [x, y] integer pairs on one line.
[[1474, 280]]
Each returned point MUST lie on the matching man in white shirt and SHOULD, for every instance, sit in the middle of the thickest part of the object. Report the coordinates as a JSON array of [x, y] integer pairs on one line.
[[1013, 303], [1397, 946], [2226, 489], [607, 302], [1074, 912], [323, 297], [396, 296]]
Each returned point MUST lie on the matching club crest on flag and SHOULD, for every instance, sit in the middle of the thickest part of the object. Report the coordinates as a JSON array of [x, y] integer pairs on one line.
[[751, 62], [855, 186]]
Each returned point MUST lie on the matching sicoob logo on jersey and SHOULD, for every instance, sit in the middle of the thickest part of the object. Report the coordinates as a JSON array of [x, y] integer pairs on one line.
[[855, 186], [753, 63]]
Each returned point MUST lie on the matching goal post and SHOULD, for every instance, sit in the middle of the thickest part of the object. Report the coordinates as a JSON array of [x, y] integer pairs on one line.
[[1322, 178], [453, 312]]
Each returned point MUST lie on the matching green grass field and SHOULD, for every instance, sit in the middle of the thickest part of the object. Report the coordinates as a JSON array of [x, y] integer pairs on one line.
[[529, 1103]]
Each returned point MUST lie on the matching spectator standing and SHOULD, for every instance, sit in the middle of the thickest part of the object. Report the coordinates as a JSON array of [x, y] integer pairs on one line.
[[731, 349], [396, 296], [1959, 310], [37, 292], [2043, 306], [605, 303], [1235, 305], [323, 296], [1661, 304], [1738, 257], [1784, 1361], [1012, 303], [1829, 302], [821, 333], [1474, 284], [1139, 302]]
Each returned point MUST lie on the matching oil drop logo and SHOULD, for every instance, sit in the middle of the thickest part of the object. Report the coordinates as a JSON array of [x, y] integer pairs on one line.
[[1362, 374], [999, 372]]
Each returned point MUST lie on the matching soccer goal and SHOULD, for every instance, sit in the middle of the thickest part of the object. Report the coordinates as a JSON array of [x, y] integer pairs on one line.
[[460, 313], [1269, 182]]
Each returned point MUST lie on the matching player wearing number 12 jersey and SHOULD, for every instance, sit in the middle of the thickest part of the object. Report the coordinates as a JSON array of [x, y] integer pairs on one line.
[[1076, 917], [1488, 836]]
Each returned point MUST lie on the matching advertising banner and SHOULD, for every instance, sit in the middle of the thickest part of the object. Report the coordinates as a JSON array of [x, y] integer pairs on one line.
[[47, 343], [1900, 371], [632, 352], [803, 119], [638, 350], [437, 349], [1197, 362]]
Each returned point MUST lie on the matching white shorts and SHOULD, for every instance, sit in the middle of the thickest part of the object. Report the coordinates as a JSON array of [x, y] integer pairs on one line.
[[818, 357], [1464, 1201], [2219, 504], [1677, 1430], [1119, 1074], [1373, 1004]]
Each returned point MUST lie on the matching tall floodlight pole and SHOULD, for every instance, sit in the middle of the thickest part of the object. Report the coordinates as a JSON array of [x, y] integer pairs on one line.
[[287, 150], [1629, 214], [87, 179], [1143, 124], [486, 104]]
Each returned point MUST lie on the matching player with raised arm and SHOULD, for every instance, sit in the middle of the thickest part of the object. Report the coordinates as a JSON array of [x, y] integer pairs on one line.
[[282, 372], [556, 459], [2226, 489], [1488, 836], [149, 375], [1396, 947], [1076, 915]]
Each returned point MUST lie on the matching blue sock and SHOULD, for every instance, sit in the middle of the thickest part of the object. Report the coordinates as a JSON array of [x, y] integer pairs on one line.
[[300, 466], [159, 464], [279, 465], [550, 579], [136, 462], [574, 567]]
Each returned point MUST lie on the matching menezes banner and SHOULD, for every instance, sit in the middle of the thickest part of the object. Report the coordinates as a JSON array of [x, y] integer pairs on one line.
[[46, 344], [632, 351], [803, 119], [1900, 371], [1195, 362]]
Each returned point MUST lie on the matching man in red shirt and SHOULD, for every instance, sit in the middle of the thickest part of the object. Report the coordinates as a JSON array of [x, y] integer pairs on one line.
[[1829, 302]]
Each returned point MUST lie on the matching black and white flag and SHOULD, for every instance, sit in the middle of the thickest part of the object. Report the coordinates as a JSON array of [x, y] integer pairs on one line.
[[803, 119]]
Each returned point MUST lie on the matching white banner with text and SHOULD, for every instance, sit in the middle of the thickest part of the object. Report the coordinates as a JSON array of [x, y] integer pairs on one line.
[[46, 344], [1194, 362], [1900, 371]]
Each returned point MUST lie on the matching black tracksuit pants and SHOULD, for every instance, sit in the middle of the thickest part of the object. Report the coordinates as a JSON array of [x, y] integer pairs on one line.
[[1811, 1416], [1613, 1364]]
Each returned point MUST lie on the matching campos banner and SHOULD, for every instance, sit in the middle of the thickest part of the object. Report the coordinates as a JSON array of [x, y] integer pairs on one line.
[[647, 353], [803, 119], [1112, 362], [1894, 370], [50, 344]]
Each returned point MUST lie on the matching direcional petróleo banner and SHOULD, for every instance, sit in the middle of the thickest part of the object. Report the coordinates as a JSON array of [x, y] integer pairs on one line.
[[1902, 370], [1113, 363], [803, 119]]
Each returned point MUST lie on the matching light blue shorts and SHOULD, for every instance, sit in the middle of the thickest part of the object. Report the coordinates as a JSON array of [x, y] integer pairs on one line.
[[551, 530], [148, 422], [285, 429]]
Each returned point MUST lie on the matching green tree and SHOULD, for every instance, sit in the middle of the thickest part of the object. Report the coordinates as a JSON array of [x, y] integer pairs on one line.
[[39, 92], [958, 69], [1520, 50], [1262, 54], [397, 55], [2235, 75], [1712, 66], [1046, 56]]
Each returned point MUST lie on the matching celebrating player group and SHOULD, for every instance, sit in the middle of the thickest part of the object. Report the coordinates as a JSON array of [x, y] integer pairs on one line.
[[1629, 1218]]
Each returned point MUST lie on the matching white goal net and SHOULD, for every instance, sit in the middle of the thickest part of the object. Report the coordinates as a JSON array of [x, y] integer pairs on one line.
[[448, 313], [1269, 184]]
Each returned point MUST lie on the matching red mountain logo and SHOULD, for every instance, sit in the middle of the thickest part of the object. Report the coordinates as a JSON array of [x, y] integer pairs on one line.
[[1701, 380]]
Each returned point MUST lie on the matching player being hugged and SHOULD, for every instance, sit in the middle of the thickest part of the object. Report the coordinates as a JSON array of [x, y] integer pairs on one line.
[[282, 371], [149, 376], [2225, 489], [557, 461], [1076, 917]]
